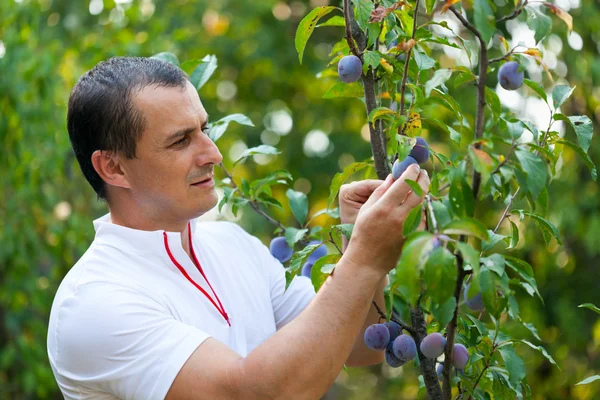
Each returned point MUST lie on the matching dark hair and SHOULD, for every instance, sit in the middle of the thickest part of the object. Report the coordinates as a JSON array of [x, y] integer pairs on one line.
[[101, 113]]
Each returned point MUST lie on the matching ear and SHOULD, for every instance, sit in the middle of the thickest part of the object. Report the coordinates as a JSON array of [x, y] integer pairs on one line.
[[108, 166]]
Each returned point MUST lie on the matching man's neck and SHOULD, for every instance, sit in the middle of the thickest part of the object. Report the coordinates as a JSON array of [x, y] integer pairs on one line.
[[133, 221]]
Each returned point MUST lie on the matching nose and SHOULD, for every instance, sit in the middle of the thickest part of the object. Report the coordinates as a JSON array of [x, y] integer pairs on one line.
[[208, 152]]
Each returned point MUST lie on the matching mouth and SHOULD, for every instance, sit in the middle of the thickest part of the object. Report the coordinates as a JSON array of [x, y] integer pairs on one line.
[[205, 181]]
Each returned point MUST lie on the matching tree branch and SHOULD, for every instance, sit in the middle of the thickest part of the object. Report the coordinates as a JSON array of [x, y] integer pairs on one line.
[[349, 38], [507, 209], [427, 364], [516, 12]]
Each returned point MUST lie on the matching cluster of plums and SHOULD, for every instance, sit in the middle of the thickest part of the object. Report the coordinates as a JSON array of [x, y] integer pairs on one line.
[[283, 252], [418, 155]]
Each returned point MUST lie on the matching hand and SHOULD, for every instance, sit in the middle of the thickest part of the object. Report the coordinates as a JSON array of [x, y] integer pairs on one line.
[[353, 196], [377, 238]]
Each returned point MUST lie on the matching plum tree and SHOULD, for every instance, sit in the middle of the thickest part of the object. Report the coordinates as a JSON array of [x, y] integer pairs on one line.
[[399, 167], [377, 337], [432, 345], [319, 252], [475, 303], [461, 356], [509, 76], [421, 151], [306, 269], [390, 357], [394, 328], [350, 69], [280, 249], [405, 348]]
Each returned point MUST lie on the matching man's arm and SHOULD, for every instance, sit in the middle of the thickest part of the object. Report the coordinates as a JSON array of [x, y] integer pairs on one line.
[[302, 359], [299, 361]]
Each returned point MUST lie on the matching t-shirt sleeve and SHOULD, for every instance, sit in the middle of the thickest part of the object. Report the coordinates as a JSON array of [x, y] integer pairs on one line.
[[120, 341], [287, 304]]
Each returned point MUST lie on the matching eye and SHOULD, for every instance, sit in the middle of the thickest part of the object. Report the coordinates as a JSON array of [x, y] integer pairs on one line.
[[206, 130], [182, 141]]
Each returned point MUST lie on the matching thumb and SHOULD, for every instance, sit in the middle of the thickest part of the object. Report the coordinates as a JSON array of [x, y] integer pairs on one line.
[[380, 191]]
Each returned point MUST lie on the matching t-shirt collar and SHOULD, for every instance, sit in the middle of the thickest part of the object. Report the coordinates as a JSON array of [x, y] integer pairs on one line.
[[134, 239]]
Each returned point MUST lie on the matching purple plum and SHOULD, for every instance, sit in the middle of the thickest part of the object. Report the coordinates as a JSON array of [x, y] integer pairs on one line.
[[421, 151], [350, 69], [432, 345], [377, 337], [509, 76], [280, 249], [405, 348], [461, 356], [399, 167]]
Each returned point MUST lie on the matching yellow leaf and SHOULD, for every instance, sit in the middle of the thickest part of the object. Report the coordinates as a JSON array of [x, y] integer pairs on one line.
[[533, 52], [562, 14], [504, 42], [412, 127], [449, 3], [387, 66]]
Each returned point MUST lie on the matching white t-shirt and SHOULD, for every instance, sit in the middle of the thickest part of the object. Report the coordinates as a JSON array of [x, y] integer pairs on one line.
[[125, 319]]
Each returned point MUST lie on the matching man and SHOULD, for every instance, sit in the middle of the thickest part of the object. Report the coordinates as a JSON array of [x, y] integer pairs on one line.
[[164, 306]]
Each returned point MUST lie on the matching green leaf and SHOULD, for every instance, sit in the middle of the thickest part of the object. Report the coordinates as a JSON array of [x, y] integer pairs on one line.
[[582, 125], [363, 9], [470, 256], [539, 22], [560, 94], [586, 158], [293, 235], [307, 26], [371, 59], [466, 226], [168, 57], [339, 179], [264, 184], [413, 256], [492, 241], [203, 71], [493, 303], [536, 88], [429, 8], [381, 112], [460, 196], [484, 19], [415, 187], [588, 380], [494, 263], [345, 229], [514, 236], [542, 350], [336, 20], [423, 61], [524, 270], [439, 77], [218, 128], [322, 269], [341, 89], [493, 101], [441, 213], [514, 365], [548, 229], [411, 223], [298, 205], [444, 312], [439, 275], [536, 170], [262, 149], [406, 21], [590, 306]]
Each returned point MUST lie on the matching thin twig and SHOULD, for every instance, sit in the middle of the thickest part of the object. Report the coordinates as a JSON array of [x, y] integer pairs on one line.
[[406, 61], [514, 14], [507, 209], [431, 213], [335, 244], [512, 149], [253, 203]]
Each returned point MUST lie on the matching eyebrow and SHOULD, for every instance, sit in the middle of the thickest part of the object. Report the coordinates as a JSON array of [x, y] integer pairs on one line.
[[185, 131]]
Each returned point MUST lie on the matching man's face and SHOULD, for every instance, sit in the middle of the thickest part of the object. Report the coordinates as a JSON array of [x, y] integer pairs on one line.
[[173, 155]]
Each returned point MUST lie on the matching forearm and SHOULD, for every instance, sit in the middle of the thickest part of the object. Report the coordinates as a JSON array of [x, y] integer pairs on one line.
[[306, 355]]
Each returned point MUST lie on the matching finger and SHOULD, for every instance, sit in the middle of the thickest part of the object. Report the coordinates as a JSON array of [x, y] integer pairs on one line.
[[361, 189], [380, 190], [412, 200], [400, 189]]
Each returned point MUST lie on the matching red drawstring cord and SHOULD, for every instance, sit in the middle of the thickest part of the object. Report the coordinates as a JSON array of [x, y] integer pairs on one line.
[[221, 309]]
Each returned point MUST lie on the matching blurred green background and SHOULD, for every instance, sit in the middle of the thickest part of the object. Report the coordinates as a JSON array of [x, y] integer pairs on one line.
[[46, 206]]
